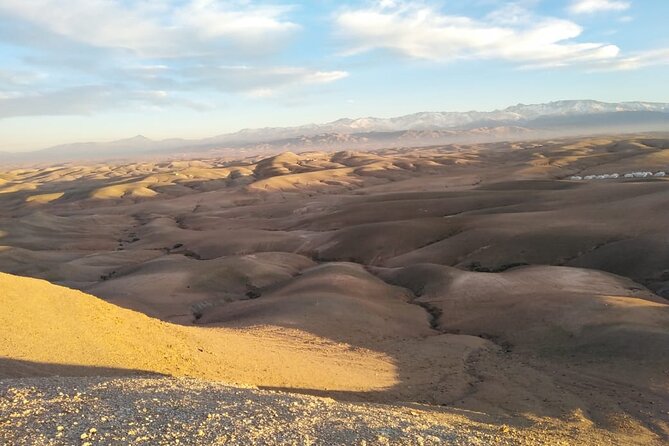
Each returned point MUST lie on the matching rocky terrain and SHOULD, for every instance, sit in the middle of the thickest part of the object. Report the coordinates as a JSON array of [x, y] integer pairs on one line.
[[167, 411]]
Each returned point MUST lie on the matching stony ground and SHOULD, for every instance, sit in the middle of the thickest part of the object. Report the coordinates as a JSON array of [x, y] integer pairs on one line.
[[168, 411]]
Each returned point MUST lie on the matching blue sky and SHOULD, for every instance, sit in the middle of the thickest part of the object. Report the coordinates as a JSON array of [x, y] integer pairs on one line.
[[80, 70]]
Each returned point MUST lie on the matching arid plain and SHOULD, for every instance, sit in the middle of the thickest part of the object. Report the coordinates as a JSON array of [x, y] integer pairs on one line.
[[476, 286]]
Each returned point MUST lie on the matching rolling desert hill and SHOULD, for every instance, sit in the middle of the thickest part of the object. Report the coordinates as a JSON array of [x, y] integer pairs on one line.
[[516, 289]]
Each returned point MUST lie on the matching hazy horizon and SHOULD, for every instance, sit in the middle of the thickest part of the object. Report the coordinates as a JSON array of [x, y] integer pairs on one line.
[[199, 137], [103, 71]]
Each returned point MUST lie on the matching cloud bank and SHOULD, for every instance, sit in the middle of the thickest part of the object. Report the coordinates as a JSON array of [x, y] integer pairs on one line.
[[513, 34], [84, 56]]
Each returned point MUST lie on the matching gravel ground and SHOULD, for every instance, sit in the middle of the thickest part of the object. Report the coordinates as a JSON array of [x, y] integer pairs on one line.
[[168, 411]]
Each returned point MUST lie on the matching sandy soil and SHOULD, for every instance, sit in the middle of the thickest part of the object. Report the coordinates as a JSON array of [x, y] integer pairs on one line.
[[474, 279]]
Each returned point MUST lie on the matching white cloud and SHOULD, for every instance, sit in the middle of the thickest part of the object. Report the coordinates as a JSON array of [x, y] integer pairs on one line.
[[638, 60], [259, 82], [512, 13], [423, 32], [324, 77], [86, 100], [19, 77], [108, 54], [80, 100], [592, 6], [158, 29], [261, 93]]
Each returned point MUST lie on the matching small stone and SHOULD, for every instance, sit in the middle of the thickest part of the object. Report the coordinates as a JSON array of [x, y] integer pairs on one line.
[[60, 428]]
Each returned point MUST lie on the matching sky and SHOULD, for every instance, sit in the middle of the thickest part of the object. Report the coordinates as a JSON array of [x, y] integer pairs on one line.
[[99, 70]]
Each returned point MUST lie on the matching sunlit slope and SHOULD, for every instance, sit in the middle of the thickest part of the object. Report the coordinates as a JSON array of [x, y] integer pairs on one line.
[[47, 329]]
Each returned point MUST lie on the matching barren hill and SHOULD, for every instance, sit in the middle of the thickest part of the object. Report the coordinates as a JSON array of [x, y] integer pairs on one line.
[[522, 281]]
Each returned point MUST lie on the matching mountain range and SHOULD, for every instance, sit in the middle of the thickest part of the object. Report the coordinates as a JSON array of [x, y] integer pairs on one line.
[[553, 119]]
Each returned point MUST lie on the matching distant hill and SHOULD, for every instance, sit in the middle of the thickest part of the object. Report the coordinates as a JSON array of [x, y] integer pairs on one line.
[[553, 119]]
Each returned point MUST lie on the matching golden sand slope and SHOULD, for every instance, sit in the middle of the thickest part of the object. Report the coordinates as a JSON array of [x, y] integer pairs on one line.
[[46, 328]]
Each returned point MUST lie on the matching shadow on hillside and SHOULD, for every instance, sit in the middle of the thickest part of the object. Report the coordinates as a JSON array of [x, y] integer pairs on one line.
[[491, 379], [17, 368]]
